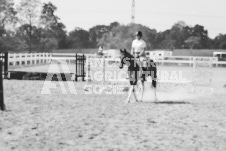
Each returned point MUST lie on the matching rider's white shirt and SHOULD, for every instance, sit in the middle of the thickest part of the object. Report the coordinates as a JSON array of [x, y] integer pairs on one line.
[[138, 45]]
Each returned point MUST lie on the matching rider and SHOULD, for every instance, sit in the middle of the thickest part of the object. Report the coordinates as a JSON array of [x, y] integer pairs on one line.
[[138, 49]]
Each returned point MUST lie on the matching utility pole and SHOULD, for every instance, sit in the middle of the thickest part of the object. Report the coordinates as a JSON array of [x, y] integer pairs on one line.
[[133, 13]]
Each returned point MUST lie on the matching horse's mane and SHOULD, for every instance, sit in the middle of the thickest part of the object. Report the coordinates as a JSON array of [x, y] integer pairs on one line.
[[131, 59], [128, 54]]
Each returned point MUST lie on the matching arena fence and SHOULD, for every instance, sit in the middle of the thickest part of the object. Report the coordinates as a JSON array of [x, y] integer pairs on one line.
[[81, 69], [80, 66], [4, 73], [202, 72], [185, 60], [200, 66], [4, 59], [23, 59], [2, 105]]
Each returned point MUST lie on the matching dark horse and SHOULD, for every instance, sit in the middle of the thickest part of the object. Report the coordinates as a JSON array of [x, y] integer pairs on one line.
[[135, 74]]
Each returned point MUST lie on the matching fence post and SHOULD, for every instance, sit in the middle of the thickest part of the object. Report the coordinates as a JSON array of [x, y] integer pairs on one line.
[[6, 65], [83, 68], [25, 59], [35, 59], [76, 76], [20, 57], [103, 69], [2, 105], [88, 69], [50, 57], [14, 59]]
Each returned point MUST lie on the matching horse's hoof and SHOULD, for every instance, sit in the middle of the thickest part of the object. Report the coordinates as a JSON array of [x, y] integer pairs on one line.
[[156, 100], [126, 101]]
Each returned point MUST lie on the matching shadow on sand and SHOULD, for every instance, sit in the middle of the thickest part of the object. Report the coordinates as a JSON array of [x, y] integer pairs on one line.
[[172, 102]]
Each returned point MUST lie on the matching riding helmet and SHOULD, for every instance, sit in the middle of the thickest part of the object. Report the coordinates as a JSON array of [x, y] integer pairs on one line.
[[139, 33]]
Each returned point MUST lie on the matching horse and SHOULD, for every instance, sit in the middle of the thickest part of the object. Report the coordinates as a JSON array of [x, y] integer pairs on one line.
[[135, 73]]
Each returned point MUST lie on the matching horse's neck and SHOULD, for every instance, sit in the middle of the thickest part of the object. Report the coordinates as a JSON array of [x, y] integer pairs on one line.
[[132, 62]]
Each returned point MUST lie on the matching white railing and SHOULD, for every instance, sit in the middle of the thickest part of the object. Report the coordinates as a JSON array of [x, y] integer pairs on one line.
[[178, 60], [16, 59], [186, 60], [19, 59]]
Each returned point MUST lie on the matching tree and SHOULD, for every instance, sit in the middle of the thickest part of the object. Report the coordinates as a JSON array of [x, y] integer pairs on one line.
[[97, 32], [28, 14], [48, 44], [7, 20], [48, 18], [176, 36], [114, 24], [7, 13], [50, 22], [78, 38], [192, 41], [122, 36], [9, 42], [220, 41], [202, 34], [23, 33], [180, 25]]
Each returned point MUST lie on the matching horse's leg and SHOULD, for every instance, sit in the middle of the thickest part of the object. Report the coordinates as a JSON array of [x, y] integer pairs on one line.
[[142, 90], [143, 79], [154, 83], [129, 94], [156, 99], [134, 93], [153, 74]]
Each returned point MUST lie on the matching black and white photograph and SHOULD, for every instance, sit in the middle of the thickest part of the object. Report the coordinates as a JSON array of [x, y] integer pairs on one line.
[[112, 75]]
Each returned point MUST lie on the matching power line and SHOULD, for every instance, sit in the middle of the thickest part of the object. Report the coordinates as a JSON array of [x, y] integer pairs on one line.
[[179, 14], [142, 11], [133, 12]]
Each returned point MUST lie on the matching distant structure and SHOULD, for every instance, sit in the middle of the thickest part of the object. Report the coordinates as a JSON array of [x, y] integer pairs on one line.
[[220, 55], [158, 54], [112, 53], [133, 12]]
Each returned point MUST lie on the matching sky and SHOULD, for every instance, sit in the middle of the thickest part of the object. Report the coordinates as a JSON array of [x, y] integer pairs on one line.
[[157, 14]]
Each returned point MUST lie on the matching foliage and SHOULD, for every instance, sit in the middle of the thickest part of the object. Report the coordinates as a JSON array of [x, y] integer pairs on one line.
[[28, 12], [7, 13], [78, 38], [121, 36], [28, 18], [52, 25], [192, 41], [220, 41]]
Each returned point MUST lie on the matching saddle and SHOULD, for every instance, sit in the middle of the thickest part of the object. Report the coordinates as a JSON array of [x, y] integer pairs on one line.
[[142, 61]]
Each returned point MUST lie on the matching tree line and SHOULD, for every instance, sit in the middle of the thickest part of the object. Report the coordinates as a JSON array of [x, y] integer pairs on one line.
[[33, 26]]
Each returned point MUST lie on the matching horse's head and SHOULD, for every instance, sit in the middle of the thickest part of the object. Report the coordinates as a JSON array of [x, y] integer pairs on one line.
[[124, 58]]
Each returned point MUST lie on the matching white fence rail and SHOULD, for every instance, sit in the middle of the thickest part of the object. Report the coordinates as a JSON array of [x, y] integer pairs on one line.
[[178, 60], [18, 59], [186, 60]]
